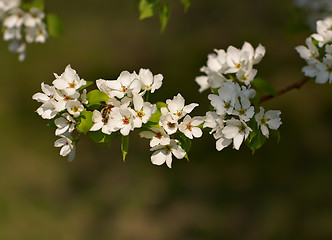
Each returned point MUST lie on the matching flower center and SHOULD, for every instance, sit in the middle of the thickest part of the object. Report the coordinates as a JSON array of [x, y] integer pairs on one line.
[[179, 113], [168, 148], [72, 85], [124, 88], [170, 124], [125, 120], [227, 105], [242, 128], [189, 127], [75, 109], [158, 135], [140, 114], [242, 112]]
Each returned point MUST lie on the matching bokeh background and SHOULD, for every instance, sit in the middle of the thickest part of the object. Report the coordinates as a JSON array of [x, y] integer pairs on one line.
[[283, 191]]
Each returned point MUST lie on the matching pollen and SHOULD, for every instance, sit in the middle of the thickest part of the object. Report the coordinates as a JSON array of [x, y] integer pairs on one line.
[[189, 127]]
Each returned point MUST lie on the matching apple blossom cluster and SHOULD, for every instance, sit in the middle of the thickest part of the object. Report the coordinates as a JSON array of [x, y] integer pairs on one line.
[[229, 75], [315, 9], [318, 53], [118, 107], [170, 135], [63, 102], [21, 26]]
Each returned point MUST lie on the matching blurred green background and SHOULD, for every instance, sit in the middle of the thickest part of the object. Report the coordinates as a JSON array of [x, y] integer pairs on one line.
[[283, 191]]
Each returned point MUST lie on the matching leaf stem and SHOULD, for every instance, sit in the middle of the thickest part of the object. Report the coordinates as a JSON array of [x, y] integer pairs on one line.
[[296, 85]]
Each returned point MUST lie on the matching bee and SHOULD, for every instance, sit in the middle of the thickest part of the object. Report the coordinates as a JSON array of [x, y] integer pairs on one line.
[[106, 111]]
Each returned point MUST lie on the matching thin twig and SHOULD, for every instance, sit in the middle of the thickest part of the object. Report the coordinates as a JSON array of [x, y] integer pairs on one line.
[[296, 85]]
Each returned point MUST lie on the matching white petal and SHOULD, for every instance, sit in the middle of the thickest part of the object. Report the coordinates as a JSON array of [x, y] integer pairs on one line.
[[158, 157]]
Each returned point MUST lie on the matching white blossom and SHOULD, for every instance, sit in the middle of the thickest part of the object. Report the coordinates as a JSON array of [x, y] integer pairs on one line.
[[167, 122], [149, 81], [163, 154], [125, 84], [189, 126], [65, 123], [69, 81], [143, 110], [122, 118], [74, 107], [269, 119], [237, 131], [157, 135], [177, 107], [67, 147]]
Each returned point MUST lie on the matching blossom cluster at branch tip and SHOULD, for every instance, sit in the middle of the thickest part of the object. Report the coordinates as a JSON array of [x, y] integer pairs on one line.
[[229, 75], [66, 103], [21, 27], [233, 63], [318, 53], [63, 102]]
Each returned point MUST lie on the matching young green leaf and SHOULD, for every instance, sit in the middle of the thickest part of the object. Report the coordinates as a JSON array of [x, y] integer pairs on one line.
[[164, 15], [265, 86], [124, 146], [256, 141], [148, 8], [27, 4], [54, 25], [95, 97], [185, 143], [156, 116], [186, 4], [85, 121], [100, 138], [88, 83]]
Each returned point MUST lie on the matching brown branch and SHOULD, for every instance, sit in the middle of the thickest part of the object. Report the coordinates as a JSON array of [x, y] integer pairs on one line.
[[296, 85]]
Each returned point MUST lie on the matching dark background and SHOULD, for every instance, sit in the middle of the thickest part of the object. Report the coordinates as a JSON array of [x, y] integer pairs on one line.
[[283, 191]]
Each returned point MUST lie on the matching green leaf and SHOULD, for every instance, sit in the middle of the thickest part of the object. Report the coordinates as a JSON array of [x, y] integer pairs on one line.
[[124, 146], [95, 97], [27, 4], [164, 15], [54, 25], [265, 86], [186, 4], [148, 8], [156, 116], [256, 141], [88, 83], [184, 142], [100, 138], [85, 121]]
